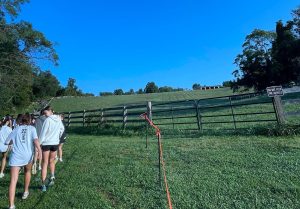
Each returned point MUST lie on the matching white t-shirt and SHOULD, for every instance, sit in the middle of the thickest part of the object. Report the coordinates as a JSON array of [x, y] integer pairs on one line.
[[4, 133], [23, 145]]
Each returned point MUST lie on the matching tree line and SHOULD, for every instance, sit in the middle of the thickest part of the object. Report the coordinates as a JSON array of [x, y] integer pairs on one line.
[[270, 57], [21, 49], [150, 87]]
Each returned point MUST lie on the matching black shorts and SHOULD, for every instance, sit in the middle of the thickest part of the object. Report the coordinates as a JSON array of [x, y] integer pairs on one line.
[[52, 148]]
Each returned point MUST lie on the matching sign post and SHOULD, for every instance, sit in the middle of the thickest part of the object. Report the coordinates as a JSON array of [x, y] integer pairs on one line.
[[276, 93]]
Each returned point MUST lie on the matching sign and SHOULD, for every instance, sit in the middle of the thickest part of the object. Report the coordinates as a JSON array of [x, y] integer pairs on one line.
[[275, 91]]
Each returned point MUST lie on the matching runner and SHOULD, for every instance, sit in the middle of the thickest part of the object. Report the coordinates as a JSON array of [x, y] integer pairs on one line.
[[23, 138], [51, 132], [62, 141], [4, 133], [38, 125], [17, 121]]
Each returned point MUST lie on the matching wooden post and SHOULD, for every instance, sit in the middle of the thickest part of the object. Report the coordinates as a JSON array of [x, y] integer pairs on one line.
[[124, 117], [149, 110], [233, 117], [277, 104], [101, 117], [69, 119], [198, 116], [172, 118], [83, 118]]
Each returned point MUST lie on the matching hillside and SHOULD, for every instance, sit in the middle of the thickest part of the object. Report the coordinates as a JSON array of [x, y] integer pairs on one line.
[[80, 103]]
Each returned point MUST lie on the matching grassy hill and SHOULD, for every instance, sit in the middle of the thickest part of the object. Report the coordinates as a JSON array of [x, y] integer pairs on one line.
[[80, 103]]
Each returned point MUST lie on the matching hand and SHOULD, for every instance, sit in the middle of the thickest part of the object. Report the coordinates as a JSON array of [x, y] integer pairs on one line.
[[39, 154]]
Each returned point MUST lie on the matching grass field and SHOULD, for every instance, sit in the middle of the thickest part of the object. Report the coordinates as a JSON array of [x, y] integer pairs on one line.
[[205, 172], [80, 103]]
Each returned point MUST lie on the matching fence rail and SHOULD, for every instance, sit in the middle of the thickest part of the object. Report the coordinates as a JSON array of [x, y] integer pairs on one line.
[[229, 112]]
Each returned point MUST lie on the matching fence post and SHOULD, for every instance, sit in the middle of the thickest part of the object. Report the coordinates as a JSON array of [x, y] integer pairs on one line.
[[124, 117], [69, 119], [277, 104], [233, 117], [149, 110], [198, 116], [101, 117], [83, 118], [172, 111]]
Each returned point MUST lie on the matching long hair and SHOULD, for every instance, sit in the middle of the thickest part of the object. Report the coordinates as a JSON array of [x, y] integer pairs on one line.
[[26, 119]]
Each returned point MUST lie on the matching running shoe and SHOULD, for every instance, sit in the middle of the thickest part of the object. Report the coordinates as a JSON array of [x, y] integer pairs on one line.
[[1, 175], [12, 207], [51, 182], [60, 160], [40, 167], [44, 188], [25, 195]]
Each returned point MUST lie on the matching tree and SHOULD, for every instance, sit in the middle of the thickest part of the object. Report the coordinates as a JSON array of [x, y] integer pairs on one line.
[[165, 89], [227, 84], [196, 86], [270, 58], [21, 47], [105, 94], [140, 91], [45, 85], [118, 92], [286, 54], [72, 89], [254, 64], [131, 91], [296, 20], [151, 87], [11, 8]]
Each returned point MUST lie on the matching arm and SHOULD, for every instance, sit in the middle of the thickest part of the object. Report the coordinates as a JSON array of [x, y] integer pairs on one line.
[[62, 129], [38, 147], [8, 141]]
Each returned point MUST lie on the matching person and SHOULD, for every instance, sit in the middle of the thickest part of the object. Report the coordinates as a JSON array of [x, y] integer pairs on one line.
[[17, 121], [4, 133], [32, 118], [38, 125], [62, 140], [51, 132], [23, 138]]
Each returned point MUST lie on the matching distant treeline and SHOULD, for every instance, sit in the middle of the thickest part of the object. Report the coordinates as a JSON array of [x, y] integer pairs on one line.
[[151, 87]]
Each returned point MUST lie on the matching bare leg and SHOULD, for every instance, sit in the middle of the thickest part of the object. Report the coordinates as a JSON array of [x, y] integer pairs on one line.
[[60, 151], [14, 173], [3, 162], [27, 177], [45, 165], [40, 160], [35, 157], [52, 162]]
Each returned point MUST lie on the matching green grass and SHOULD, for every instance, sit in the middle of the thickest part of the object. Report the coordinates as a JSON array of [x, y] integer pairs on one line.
[[80, 103], [207, 172]]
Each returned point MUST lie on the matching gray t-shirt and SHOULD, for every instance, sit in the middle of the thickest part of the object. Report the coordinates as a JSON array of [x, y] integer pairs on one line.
[[23, 145]]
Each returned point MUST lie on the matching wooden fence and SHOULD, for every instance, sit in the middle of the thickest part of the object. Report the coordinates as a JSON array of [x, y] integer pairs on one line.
[[230, 112]]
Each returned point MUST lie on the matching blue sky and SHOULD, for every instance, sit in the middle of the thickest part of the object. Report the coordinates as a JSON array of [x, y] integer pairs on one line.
[[110, 44]]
